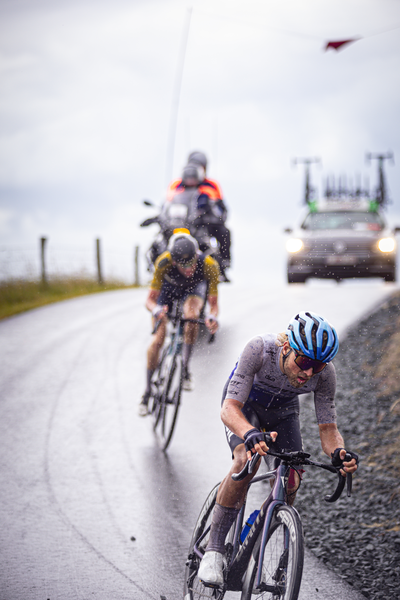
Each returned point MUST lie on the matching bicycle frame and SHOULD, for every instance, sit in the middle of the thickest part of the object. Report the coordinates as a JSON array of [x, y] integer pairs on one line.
[[176, 322], [176, 336], [177, 331]]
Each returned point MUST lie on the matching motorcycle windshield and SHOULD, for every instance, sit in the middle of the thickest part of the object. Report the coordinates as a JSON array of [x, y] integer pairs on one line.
[[180, 211]]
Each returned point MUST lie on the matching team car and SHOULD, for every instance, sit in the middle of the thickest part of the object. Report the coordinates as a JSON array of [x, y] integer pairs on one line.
[[342, 239], [345, 235]]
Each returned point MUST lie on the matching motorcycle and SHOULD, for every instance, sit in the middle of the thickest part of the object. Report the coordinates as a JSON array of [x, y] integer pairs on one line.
[[188, 210]]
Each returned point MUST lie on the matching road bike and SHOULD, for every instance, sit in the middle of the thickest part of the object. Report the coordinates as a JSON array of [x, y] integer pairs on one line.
[[267, 563], [166, 382]]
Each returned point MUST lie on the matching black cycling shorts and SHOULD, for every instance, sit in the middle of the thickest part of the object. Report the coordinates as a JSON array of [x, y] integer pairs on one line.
[[284, 420]]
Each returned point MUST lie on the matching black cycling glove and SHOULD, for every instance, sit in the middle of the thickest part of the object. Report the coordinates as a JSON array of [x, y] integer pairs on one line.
[[337, 461], [253, 437]]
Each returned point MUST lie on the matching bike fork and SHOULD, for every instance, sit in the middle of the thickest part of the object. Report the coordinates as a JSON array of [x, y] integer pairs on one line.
[[267, 523]]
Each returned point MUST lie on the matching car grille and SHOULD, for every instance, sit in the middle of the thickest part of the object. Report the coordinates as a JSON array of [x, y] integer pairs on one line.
[[321, 248]]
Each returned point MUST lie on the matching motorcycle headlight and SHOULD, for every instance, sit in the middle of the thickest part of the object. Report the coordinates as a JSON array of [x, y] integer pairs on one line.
[[294, 245], [386, 244]]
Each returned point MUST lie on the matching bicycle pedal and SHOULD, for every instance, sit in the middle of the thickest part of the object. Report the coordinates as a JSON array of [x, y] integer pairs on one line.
[[210, 585]]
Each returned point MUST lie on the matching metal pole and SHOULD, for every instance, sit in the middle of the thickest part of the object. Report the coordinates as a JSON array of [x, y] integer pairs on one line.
[[308, 189], [43, 241], [381, 190], [98, 256], [136, 280], [176, 96]]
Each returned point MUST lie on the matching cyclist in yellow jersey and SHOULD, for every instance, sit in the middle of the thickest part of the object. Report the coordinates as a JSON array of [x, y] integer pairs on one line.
[[181, 272]]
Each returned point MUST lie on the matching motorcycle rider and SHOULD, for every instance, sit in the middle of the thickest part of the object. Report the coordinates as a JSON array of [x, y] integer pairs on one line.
[[181, 272], [210, 204]]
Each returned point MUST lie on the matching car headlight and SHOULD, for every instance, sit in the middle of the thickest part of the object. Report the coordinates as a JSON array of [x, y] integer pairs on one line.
[[294, 245], [386, 245]]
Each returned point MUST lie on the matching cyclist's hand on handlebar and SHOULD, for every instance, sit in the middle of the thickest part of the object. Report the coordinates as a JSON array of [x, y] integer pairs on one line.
[[254, 441], [159, 312], [348, 459], [211, 324]]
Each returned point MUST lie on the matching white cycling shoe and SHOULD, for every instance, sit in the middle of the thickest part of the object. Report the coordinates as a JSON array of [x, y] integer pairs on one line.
[[187, 382], [143, 405], [210, 571]]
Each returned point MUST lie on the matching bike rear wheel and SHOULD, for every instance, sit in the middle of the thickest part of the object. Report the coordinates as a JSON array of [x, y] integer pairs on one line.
[[282, 565], [167, 410], [193, 588]]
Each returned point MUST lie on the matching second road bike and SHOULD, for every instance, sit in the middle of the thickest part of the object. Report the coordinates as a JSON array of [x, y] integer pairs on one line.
[[166, 383]]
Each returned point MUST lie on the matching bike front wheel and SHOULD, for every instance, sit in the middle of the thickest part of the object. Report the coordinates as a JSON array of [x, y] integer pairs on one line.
[[282, 564], [157, 388], [170, 397]]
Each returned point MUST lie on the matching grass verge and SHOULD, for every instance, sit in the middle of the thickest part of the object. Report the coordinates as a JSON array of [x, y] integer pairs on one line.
[[18, 296]]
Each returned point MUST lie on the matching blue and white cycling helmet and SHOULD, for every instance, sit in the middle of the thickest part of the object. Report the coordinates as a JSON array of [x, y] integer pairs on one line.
[[313, 336]]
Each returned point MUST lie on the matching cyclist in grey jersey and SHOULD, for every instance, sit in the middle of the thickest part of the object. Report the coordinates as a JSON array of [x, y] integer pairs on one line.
[[262, 395], [257, 377]]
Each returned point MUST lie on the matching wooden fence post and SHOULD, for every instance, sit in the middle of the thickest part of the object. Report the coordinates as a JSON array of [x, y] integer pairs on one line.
[[98, 256], [136, 281], [43, 241]]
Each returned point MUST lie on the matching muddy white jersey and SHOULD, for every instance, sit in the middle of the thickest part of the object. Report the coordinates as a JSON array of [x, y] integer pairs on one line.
[[257, 377]]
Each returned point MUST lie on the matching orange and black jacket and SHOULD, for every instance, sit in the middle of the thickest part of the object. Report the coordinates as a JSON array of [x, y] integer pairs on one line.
[[208, 186]]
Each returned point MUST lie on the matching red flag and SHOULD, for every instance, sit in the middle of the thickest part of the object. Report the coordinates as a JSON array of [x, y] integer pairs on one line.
[[338, 45]]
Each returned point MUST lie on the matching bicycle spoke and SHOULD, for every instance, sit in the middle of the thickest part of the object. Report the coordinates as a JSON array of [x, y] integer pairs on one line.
[[194, 589], [282, 563], [157, 386], [170, 399]]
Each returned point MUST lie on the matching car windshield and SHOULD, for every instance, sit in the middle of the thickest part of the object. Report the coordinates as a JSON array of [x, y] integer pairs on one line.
[[361, 221]]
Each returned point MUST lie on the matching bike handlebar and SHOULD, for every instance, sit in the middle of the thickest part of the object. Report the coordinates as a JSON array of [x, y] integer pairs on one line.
[[298, 459], [183, 320]]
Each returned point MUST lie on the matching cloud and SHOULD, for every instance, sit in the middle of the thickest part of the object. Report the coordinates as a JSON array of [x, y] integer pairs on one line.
[[86, 103]]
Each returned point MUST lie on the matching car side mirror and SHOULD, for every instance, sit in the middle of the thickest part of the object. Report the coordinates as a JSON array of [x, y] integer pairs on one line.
[[290, 230]]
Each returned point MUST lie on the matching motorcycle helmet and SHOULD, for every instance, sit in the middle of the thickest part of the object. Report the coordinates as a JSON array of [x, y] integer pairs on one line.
[[198, 158], [192, 175], [313, 336], [183, 247]]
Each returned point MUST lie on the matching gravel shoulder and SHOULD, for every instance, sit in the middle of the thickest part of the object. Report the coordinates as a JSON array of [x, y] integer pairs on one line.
[[359, 537]]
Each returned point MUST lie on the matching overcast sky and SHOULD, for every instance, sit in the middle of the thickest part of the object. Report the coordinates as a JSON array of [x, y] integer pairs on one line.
[[89, 93]]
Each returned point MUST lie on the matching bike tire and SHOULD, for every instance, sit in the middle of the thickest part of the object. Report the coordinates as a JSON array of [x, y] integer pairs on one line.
[[283, 560], [170, 400], [193, 588], [157, 388]]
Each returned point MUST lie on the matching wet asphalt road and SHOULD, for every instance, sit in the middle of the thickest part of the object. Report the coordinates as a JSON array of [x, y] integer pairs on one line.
[[89, 507]]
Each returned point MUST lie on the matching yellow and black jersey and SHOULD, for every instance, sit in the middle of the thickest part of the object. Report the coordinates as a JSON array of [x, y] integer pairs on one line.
[[207, 269]]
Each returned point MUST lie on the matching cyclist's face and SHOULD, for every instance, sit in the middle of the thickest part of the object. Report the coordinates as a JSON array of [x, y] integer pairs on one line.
[[297, 377], [188, 270]]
